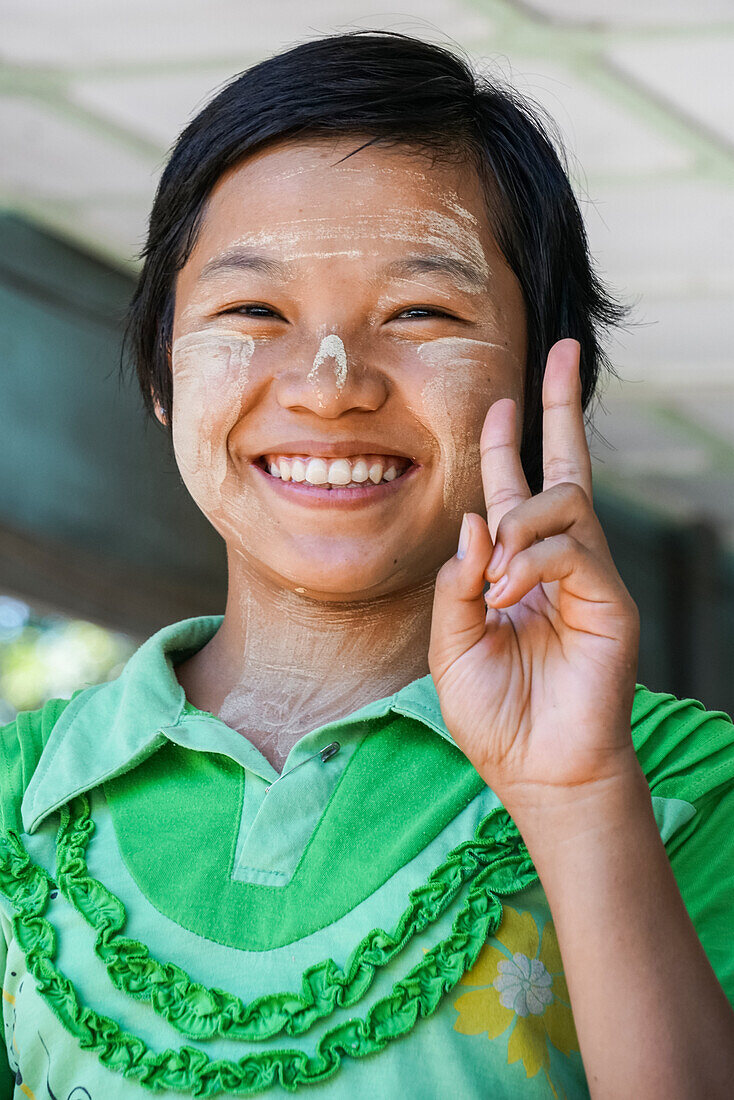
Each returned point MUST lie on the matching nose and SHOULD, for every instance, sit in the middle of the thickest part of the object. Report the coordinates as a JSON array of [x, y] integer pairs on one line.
[[333, 383]]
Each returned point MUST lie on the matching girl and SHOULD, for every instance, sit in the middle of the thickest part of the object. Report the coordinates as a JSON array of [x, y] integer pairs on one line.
[[400, 822]]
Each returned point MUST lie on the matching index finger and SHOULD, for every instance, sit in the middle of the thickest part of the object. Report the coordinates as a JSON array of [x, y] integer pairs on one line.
[[503, 477], [565, 449]]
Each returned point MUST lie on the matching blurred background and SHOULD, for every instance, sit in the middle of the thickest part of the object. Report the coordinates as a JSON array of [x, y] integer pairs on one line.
[[100, 544]]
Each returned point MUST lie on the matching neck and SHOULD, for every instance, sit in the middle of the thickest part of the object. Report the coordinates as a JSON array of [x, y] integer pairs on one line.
[[281, 665]]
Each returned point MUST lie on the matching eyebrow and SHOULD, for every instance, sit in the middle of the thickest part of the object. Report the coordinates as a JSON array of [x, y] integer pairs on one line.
[[462, 271], [245, 259]]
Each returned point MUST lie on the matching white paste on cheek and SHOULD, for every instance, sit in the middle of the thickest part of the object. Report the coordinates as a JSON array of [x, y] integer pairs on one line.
[[455, 402], [331, 347], [211, 378]]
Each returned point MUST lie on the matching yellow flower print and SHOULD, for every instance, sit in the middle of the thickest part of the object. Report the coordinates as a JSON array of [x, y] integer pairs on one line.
[[523, 989]]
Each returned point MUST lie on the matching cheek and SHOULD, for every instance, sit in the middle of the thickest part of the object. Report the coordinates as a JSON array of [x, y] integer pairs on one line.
[[211, 372], [463, 379]]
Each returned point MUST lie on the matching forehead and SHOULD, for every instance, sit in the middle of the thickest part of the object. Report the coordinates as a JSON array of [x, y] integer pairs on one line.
[[298, 193]]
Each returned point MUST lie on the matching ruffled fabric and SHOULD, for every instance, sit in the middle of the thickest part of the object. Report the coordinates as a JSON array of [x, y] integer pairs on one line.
[[495, 862]]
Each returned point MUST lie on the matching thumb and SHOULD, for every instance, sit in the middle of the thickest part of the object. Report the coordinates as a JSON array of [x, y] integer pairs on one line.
[[459, 611]]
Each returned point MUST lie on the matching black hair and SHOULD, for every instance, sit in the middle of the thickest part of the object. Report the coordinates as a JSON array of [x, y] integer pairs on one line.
[[393, 89]]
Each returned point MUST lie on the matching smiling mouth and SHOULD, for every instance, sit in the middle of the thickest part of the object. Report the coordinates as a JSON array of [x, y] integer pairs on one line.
[[365, 471]]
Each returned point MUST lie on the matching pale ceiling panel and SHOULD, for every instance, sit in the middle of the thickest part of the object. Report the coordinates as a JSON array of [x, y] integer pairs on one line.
[[635, 13], [604, 137], [47, 154], [670, 237], [693, 75], [640, 442], [155, 106], [97, 32], [676, 344], [121, 224], [711, 408]]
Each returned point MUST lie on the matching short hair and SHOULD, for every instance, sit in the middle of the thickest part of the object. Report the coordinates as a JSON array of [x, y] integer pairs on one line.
[[395, 90]]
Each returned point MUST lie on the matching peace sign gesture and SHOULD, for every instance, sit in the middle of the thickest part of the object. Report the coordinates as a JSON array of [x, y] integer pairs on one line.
[[536, 684]]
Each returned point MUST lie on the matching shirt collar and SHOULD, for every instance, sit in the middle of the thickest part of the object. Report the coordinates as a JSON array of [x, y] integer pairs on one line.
[[109, 728]]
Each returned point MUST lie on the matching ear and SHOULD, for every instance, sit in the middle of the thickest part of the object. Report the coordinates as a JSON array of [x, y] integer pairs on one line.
[[160, 415]]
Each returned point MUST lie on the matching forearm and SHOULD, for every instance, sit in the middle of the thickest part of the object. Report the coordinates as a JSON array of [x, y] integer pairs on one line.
[[651, 1017]]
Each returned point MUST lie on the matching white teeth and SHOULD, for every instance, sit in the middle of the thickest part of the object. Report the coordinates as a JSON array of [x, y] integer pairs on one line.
[[337, 472], [340, 472], [317, 472], [360, 472]]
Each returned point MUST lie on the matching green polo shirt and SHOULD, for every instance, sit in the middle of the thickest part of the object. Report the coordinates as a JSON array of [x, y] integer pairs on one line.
[[178, 919]]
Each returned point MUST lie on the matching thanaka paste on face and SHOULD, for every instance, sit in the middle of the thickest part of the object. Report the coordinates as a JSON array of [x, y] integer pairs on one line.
[[464, 371], [293, 651], [331, 347], [302, 238], [281, 628], [210, 372], [455, 230], [452, 229]]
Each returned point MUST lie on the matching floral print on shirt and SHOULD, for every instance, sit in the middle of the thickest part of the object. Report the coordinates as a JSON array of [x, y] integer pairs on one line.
[[522, 994]]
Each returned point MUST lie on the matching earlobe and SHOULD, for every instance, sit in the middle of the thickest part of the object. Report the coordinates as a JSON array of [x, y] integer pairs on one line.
[[160, 412]]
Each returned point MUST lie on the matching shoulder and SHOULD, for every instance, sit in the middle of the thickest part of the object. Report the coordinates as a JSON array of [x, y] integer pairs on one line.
[[687, 755], [685, 751], [21, 743]]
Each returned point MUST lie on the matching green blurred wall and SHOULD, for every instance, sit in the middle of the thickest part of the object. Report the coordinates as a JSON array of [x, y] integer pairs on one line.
[[95, 520], [94, 516]]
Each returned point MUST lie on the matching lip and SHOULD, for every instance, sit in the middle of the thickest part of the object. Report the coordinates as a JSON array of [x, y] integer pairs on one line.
[[314, 497], [320, 448]]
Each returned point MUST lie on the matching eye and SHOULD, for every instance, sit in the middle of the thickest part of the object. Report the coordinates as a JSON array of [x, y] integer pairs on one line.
[[251, 310], [427, 311]]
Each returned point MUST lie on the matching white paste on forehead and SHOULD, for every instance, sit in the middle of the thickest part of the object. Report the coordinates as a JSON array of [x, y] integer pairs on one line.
[[331, 347], [299, 238]]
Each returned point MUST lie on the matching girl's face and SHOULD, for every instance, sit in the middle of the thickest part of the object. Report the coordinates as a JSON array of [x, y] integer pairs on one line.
[[357, 311]]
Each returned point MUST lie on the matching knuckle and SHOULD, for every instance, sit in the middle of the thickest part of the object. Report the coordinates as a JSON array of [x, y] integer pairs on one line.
[[443, 577], [492, 446], [559, 469], [507, 526], [505, 495], [571, 491], [567, 544]]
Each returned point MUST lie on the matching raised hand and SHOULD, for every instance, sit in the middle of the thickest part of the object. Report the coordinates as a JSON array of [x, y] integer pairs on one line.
[[536, 684]]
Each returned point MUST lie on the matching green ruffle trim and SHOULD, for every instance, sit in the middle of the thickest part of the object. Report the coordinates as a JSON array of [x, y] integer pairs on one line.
[[202, 1013], [496, 862]]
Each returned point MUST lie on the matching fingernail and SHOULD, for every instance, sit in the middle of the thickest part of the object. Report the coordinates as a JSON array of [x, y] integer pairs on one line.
[[464, 538], [496, 558], [498, 588]]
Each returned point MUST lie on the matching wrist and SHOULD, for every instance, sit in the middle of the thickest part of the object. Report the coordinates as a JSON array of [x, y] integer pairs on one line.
[[550, 818]]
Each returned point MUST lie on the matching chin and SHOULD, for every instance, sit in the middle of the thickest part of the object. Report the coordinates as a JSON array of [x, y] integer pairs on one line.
[[347, 581]]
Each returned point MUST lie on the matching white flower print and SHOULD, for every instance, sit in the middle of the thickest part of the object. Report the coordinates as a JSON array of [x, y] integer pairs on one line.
[[524, 985]]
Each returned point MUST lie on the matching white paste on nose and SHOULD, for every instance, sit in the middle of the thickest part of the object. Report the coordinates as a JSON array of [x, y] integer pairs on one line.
[[331, 347]]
